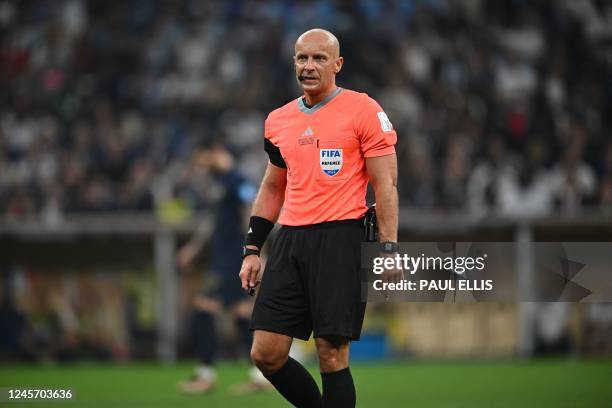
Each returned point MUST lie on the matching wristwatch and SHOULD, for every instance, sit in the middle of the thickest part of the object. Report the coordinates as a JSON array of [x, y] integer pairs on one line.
[[249, 251], [389, 247]]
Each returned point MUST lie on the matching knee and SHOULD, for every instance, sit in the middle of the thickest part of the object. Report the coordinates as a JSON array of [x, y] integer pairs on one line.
[[331, 360], [268, 360], [332, 356]]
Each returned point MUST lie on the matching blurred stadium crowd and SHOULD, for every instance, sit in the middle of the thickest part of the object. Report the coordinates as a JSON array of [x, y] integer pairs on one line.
[[501, 107]]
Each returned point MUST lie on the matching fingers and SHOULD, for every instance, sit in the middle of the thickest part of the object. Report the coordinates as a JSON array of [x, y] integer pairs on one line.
[[393, 276], [244, 276], [397, 276], [249, 273], [253, 278]]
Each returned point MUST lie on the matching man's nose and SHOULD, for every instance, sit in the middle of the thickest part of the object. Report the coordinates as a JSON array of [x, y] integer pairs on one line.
[[309, 64]]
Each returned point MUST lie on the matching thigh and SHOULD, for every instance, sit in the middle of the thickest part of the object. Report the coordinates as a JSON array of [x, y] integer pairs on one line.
[[271, 343], [335, 283], [281, 305]]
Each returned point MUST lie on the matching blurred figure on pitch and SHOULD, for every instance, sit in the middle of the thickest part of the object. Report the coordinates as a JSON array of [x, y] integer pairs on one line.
[[226, 240]]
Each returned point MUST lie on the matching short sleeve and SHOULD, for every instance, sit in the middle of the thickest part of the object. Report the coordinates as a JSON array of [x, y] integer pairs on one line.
[[273, 151], [376, 133], [274, 154]]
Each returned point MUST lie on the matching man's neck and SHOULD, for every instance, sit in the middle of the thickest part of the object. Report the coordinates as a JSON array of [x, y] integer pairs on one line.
[[312, 100]]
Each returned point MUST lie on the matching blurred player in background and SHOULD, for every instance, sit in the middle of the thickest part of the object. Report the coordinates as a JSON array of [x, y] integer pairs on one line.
[[226, 242]]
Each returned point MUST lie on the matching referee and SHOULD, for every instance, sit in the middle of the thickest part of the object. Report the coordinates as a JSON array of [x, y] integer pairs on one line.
[[324, 148]]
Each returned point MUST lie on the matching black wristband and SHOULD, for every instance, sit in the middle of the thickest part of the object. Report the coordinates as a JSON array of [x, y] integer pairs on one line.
[[259, 229]]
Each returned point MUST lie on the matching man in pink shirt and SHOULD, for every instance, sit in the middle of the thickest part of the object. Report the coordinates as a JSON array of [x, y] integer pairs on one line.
[[324, 148]]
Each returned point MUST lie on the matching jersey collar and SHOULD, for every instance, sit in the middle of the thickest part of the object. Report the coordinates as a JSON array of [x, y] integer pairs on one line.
[[309, 111]]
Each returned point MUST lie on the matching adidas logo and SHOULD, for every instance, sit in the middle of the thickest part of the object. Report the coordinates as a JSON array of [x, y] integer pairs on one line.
[[308, 132], [306, 137]]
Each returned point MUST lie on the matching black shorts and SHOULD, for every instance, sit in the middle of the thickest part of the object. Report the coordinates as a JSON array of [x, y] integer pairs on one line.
[[312, 282]]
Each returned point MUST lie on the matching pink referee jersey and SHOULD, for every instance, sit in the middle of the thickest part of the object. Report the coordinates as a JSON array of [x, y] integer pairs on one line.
[[324, 148]]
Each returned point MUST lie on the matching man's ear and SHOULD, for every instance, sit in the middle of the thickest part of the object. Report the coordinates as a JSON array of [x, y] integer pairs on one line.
[[338, 65]]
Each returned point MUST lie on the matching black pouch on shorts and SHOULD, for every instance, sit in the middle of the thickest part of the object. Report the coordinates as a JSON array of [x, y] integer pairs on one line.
[[371, 225]]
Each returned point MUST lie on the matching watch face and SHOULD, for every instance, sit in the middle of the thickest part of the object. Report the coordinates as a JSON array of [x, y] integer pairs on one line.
[[249, 251], [389, 247]]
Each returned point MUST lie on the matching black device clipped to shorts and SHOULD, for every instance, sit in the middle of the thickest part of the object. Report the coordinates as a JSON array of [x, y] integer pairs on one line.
[[371, 225]]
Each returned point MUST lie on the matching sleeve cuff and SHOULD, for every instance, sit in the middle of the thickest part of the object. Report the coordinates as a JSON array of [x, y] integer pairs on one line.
[[385, 151]]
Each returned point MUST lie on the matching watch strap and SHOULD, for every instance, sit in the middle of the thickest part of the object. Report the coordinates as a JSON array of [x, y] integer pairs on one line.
[[389, 247], [249, 251]]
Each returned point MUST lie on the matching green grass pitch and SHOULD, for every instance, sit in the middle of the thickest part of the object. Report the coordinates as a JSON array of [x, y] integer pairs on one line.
[[539, 383]]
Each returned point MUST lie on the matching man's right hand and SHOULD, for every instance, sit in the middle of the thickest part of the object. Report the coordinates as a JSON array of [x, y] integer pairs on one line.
[[249, 272]]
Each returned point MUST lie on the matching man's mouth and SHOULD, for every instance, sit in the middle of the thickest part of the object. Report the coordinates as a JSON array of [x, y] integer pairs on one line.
[[302, 78]]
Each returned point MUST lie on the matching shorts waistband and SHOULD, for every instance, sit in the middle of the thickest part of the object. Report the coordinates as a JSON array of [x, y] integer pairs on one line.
[[325, 225]]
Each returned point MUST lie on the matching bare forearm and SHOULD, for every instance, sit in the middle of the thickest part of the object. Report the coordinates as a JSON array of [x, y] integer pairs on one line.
[[269, 202], [383, 176], [267, 205], [271, 195], [387, 211]]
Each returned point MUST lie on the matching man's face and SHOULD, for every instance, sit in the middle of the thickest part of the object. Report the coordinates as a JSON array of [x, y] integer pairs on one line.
[[316, 63]]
